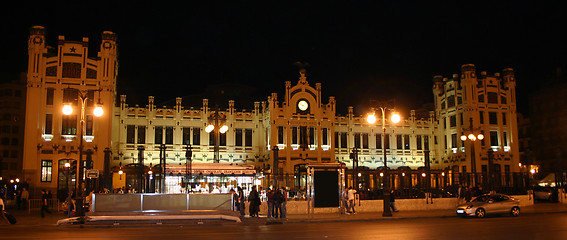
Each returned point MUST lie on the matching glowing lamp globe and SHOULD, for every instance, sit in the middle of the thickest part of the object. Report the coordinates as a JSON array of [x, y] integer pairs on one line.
[[371, 118], [396, 118], [98, 111], [67, 109], [223, 129], [209, 128]]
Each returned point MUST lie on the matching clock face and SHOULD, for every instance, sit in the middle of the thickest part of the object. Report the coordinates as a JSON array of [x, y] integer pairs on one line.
[[302, 105]]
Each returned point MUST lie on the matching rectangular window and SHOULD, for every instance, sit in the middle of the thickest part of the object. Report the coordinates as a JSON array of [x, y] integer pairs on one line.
[[504, 119], [49, 96], [365, 140], [130, 134], [280, 135], [451, 101], [454, 143], [426, 142], [49, 123], [222, 139], [168, 135], [70, 95], [492, 97], [311, 136], [212, 138], [387, 141], [141, 134], [453, 121], [238, 137], [186, 138], [399, 142], [89, 125], [503, 100], [492, 118], [357, 140], [248, 137], [505, 138], [158, 135], [325, 136], [46, 169], [481, 98], [418, 142], [69, 125], [196, 136], [481, 114], [406, 142], [337, 140], [90, 98], [494, 138], [378, 141], [303, 136], [344, 140], [294, 135]]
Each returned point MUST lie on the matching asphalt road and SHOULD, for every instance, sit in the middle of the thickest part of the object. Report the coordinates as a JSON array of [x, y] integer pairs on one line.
[[533, 226]]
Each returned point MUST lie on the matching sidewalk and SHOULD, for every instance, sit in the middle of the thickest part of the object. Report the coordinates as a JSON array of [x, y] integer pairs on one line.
[[25, 218]]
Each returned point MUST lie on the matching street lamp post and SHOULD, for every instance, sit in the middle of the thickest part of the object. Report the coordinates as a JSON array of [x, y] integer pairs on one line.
[[98, 112], [395, 118], [275, 165], [163, 169], [472, 136], [354, 157], [70, 191], [188, 165], [216, 123]]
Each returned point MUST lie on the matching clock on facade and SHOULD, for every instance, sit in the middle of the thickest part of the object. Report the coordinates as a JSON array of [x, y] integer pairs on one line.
[[302, 105]]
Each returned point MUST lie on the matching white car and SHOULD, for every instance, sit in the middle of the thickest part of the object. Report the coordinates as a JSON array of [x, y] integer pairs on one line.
[[490, 204]]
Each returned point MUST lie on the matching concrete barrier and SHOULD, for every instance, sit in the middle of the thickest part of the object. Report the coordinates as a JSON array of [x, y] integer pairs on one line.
[[148, 202]]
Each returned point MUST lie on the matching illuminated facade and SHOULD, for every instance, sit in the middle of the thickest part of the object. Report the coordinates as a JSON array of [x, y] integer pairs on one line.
[[303, 127], [478, 104], [57, 75]]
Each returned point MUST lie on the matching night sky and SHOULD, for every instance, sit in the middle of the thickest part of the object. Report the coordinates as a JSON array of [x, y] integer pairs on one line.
[[358, 50]]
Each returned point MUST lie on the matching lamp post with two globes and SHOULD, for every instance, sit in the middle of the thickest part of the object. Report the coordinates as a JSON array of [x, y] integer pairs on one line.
[[98, 112], [216, 124], [395, 118], [472, 136]]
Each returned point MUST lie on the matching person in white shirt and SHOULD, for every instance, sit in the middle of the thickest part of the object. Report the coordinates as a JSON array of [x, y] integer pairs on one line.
[[350, 196]]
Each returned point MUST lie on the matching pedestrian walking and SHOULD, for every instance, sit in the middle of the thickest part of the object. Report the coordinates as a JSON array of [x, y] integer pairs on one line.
[[19, 199], [278, 198], [393, 201], [44, 203], [25, 198], [284, 204], [3, 219], [254, 199], [350, 196], [241, 201], [270, 197]]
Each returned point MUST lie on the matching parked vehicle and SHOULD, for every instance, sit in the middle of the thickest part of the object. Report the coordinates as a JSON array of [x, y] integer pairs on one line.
[[490, 204], [543, 193]]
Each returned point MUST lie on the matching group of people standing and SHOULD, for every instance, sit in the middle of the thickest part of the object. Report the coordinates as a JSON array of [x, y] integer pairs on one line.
[[466, 193], [277, 201], [276, 198]]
